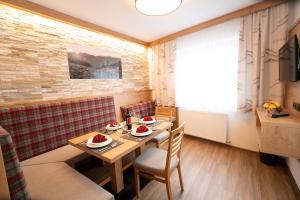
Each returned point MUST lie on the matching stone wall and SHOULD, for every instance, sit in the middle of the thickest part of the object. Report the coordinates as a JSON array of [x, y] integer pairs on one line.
[[34, 62]]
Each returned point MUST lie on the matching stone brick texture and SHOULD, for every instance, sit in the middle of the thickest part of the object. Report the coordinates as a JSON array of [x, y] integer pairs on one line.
[[34, 59]]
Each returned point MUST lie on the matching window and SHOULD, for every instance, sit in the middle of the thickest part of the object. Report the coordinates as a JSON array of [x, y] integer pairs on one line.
[[207, 69]]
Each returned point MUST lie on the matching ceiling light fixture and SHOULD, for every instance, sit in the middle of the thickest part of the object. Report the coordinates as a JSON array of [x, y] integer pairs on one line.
[[157, 7]]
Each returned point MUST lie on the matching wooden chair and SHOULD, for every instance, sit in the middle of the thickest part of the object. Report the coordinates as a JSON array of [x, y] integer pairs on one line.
[[158, 164], [163, 113]]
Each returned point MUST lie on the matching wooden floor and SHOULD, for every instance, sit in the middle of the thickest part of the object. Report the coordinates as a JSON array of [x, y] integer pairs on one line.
[[213, 171]]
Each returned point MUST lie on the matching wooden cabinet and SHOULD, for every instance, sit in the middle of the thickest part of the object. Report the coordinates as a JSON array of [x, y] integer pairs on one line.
[[279, 136]]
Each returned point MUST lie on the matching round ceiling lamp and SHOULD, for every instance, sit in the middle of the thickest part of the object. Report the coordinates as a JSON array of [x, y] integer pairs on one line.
[[157, 7]]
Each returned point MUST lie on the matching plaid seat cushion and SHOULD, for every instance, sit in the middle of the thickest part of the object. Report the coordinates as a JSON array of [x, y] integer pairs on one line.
[[142, 109], [14, 173], [39, 128]]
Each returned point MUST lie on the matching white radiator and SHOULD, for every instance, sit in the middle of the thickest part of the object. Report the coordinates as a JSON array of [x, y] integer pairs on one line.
[[211, 126]]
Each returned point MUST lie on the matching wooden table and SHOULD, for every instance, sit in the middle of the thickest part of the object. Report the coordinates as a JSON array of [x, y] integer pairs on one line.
[[114, 156]]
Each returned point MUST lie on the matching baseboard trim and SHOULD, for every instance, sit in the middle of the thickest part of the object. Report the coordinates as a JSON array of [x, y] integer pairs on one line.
[[225, 144]]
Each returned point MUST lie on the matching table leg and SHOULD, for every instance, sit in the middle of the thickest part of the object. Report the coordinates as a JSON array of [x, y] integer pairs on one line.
[[117, 181]]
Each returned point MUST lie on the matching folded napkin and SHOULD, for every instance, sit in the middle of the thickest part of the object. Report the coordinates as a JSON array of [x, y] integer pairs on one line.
[[99, 138], [142, 129], [113, 124], [148, 118]]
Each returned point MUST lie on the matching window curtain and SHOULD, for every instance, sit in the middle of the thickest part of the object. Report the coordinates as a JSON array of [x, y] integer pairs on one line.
[[162, 63], [261, 36], [206, 69]]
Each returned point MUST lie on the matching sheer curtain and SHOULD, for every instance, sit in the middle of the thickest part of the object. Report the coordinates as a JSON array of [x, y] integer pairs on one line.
[[207, 68], [262, 34]]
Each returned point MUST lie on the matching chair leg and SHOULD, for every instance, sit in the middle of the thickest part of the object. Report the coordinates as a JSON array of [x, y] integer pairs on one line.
[[137, 183], [157, 144], [168, 185], [180, 177]]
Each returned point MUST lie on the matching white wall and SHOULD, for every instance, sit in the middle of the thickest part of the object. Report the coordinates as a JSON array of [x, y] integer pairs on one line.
[[242, 131], [294, 16]]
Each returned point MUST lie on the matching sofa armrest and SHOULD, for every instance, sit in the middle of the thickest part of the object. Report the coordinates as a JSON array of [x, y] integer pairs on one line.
[[14, 173], [4, 191]]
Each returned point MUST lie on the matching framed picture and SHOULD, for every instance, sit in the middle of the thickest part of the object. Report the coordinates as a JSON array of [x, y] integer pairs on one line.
[[92, 63]]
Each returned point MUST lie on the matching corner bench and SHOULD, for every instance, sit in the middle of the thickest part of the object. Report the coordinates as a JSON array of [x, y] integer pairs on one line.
[[37, 135]]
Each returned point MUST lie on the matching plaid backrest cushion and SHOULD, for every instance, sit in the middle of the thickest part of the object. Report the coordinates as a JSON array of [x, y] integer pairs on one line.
[[38, 128], [144, 108], [14, 173]]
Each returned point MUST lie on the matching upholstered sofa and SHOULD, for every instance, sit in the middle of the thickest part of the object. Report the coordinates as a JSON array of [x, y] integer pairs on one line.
[[36, 155], [142, 109]]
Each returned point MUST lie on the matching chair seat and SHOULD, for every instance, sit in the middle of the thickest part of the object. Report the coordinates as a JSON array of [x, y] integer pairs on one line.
[[153, 161], [162, 136]]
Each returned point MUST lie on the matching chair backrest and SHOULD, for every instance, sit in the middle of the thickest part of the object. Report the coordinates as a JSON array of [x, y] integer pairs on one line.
[[164, 113], [37, 128], [175, 141], [14, 174]]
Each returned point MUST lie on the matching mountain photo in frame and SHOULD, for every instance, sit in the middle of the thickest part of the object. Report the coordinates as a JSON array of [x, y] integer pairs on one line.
[[92, 63]]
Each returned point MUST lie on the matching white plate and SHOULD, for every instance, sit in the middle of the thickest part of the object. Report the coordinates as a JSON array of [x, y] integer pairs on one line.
[[112, 128], [147, 122], [90, 143], [134, 133]]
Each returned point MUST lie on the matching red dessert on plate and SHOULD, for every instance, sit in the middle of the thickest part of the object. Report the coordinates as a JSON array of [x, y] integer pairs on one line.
[[99, 138], [148, 118], [142, 129]]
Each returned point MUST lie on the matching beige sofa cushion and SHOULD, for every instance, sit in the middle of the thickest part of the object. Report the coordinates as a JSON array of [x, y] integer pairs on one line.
[[58, 181], [153, 161], [66, 153]]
